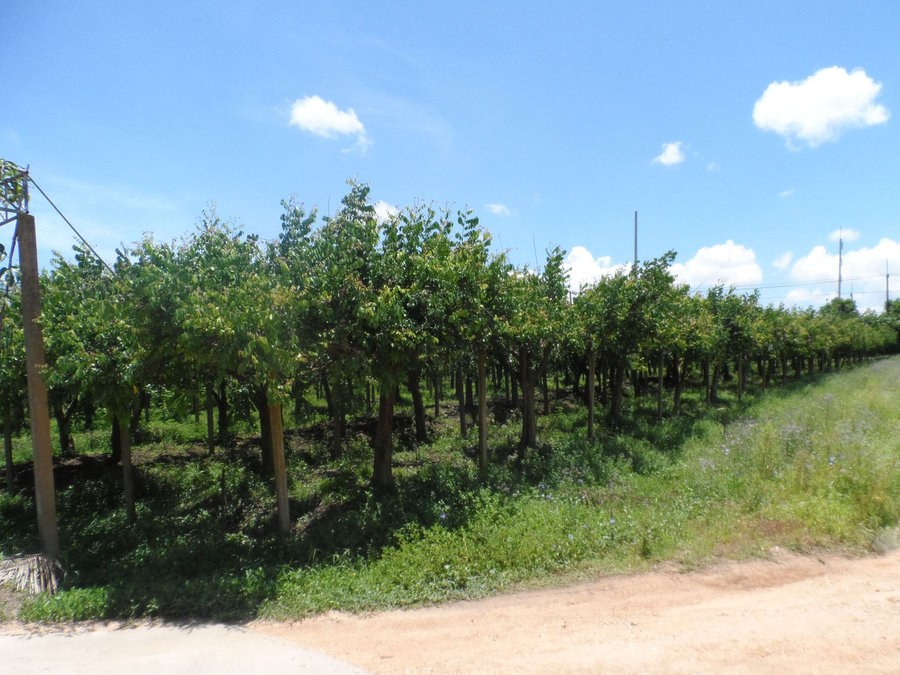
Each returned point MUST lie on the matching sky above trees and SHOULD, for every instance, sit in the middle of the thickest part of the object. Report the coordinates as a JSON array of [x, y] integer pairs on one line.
[[750, 137]]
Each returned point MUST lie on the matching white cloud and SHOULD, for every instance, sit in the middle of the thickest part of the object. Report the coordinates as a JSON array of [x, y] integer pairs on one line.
[[821, 107], [847, 234], [385, 211], [583, 268], [712, 166], [862, 271], [783, 261], [325, 119], [498, 209], [728, 264], [672, 154], [784, 194], [803, 297]]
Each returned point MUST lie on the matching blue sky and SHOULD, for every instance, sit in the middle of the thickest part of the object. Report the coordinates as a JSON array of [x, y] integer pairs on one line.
[[745, 134]]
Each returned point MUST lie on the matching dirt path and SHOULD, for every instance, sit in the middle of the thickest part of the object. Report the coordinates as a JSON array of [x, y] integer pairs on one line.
[[788, 614]]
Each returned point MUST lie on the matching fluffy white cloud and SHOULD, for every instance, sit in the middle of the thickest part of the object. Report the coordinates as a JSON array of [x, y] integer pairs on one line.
[[324, 118], [862, 271], [821, 107], [583, 268], [728, 264], [672, 154], [847, 234], [385, 211], [498, 209], [783, 261]]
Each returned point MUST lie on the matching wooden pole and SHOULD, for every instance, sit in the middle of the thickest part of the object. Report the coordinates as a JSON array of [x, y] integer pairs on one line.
[[44, 494], [280, 470]]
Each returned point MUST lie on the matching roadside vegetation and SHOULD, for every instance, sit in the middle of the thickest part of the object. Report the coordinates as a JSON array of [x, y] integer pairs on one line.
[[371, 412], [810, 466]]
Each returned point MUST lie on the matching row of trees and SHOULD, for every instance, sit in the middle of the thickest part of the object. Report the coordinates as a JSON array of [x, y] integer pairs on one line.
[[351, 303]]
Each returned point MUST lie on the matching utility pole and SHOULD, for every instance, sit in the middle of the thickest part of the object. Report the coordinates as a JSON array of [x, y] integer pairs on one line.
[[14, 207], [635, 239], [840, 262], [887, 286], [44, 495]]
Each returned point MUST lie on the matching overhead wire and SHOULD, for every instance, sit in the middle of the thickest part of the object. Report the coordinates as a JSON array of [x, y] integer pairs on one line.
[[77, 233]]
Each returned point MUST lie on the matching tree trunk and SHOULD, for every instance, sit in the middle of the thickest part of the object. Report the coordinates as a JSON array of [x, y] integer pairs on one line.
[[659, 389], [617, 397], [336, 396], [222, 405], [63, 418], [461, 402], [482, 410], [7, 450], [116, 441], [87, 405], [413, 384], [706, 380], [546, 394], [382, 473], [592, 366], [127, 472], [210, 422], [261, 403], [714, 387], [438, 393], [677, 382]]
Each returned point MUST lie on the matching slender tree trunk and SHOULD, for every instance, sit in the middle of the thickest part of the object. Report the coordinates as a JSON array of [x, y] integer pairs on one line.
[[461, 401], [261, 403], [210, 421], [617, 369], [528, 380], [415, 390], [438, 393], [127, 472], [546, 394], [707, 380], [382, 472], [482, 410], [740, 377], [592, 364], [116, 441], [659, 389], [7, 450], [677, 381], [222, 405], [714, 387], [195, 405], [88, 408], [63, 418], [336, 406]]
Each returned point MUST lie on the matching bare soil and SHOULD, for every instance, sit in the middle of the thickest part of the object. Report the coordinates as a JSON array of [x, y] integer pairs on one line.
[[787, 613]]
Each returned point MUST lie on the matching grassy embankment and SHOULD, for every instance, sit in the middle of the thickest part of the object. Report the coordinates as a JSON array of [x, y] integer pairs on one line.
[[815, 464]]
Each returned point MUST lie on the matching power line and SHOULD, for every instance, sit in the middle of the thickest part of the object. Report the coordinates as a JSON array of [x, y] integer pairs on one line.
[[77, 233]]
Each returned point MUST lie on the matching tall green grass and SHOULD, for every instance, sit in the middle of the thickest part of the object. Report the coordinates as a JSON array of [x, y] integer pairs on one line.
[[814, 465]]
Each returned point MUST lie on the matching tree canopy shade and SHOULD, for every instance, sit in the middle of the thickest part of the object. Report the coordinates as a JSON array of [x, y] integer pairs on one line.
[[349, 300]]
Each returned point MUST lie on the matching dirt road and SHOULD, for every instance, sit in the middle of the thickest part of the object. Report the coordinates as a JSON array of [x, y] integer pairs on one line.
[[788, 614]]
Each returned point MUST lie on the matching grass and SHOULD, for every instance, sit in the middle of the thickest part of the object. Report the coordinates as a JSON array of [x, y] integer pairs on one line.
[[812, 465]]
